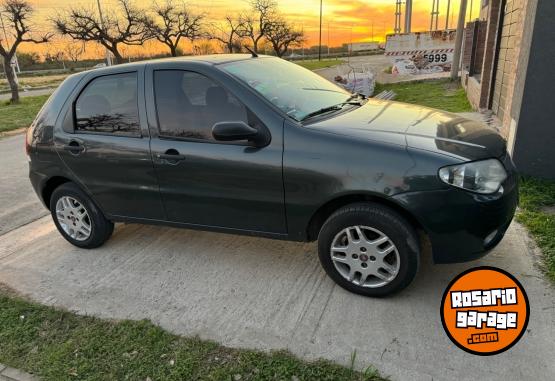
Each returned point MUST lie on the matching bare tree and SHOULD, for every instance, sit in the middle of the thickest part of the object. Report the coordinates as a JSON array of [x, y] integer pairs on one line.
[[173, 23], [18, 13], [74, 50], [54, 54], [130, 27], [229, 33], [282, 35], [256, 25]]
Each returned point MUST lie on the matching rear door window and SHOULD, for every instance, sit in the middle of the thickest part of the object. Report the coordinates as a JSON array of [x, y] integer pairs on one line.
[[188, 105], [108, 105]]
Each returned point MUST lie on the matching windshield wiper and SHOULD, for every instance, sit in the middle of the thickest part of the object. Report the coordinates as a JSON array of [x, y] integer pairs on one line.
[[325, 110]]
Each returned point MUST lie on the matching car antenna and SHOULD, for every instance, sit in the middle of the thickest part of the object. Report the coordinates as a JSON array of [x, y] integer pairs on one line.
[[252, 52]]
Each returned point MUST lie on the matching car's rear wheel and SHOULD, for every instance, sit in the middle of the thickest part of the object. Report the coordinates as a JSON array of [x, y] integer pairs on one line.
[[369, 249], [77, 218]]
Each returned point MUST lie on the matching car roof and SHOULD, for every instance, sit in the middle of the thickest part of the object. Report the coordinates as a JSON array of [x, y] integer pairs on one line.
[[212, 59]]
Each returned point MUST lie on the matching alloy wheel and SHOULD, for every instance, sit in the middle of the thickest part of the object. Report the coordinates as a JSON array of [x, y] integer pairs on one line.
[[365, 256], [74, 218]]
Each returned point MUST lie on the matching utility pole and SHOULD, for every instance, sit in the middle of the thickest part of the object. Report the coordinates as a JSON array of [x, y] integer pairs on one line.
[[435, 15], [302, 43], [320, 44], [108, 57], [398, 15], [458, 41], [408, 16], [328, 38], [471, 10], [447, 17]]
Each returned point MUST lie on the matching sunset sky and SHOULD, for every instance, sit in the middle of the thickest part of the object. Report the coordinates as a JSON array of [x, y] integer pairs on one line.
[[346, 20]]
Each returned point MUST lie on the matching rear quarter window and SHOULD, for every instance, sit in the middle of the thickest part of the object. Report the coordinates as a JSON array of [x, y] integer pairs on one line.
[[108, 105]]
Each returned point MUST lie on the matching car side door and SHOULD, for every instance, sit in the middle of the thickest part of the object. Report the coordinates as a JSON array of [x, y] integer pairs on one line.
[[229, 185], [103, 140]]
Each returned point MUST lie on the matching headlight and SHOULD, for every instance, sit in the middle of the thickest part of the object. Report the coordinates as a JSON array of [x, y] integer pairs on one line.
[[483, 176]]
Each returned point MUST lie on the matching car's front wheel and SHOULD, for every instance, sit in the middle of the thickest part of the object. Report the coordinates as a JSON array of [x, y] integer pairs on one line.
[[369, 249], [77, 218]]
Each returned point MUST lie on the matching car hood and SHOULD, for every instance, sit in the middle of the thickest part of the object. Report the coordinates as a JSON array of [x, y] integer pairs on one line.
[[417, 127]]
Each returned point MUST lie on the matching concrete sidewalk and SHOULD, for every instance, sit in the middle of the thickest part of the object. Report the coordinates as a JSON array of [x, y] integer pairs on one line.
[[266, 294], [18, 202], [12, 374]]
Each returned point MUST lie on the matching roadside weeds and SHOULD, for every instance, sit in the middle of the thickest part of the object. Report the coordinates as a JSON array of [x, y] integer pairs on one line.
[[536, 197]]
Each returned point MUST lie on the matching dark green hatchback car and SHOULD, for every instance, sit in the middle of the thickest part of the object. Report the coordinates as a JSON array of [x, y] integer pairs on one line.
[[261, 146]]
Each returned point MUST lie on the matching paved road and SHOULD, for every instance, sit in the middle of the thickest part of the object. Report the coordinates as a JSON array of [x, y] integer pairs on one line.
[[18, 202], [30, 93]]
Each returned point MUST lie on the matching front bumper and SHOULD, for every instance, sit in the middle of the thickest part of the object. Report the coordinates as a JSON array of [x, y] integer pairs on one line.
[[463, 226]]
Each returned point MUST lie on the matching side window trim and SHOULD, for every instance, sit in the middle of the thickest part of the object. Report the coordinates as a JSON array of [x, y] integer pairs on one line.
[[73, 112], [162, 136]]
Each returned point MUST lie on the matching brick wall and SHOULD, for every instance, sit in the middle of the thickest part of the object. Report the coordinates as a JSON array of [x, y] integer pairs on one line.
[[480, 50], [493, 11], [511, 34], [474, 46], [467, 46], [478, 88], [501, 33]]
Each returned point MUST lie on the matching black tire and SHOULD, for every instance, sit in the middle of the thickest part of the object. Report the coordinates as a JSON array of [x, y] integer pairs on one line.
[[101, 228], [376, 216]]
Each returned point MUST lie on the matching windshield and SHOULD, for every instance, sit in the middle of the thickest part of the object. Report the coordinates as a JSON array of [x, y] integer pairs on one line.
[[295, 90]]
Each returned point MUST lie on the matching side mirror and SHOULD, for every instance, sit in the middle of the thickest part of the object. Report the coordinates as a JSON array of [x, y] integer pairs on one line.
[[235, 131]]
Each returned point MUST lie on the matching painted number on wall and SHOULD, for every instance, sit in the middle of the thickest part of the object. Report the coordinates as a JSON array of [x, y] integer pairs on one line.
[[436, 57]]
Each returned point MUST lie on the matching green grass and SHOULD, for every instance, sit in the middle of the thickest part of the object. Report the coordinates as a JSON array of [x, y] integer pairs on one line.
[[20, 115], [534, 196], [315, 64], [58, 345], [441, 94]]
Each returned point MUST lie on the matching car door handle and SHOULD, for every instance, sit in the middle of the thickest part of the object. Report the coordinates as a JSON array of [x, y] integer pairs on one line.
[[171, 155], [74, 147]]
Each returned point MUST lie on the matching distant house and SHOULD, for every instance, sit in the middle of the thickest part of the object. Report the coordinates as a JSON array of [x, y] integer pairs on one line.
[[508, 60]]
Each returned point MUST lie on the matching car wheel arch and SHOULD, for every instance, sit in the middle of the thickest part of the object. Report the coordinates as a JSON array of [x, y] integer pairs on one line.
[[54, 182], [50, 185], [320, 216]]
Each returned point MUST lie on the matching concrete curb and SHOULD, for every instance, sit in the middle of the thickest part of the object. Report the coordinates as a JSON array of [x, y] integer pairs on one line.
[[17, 131], [12, 374]]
